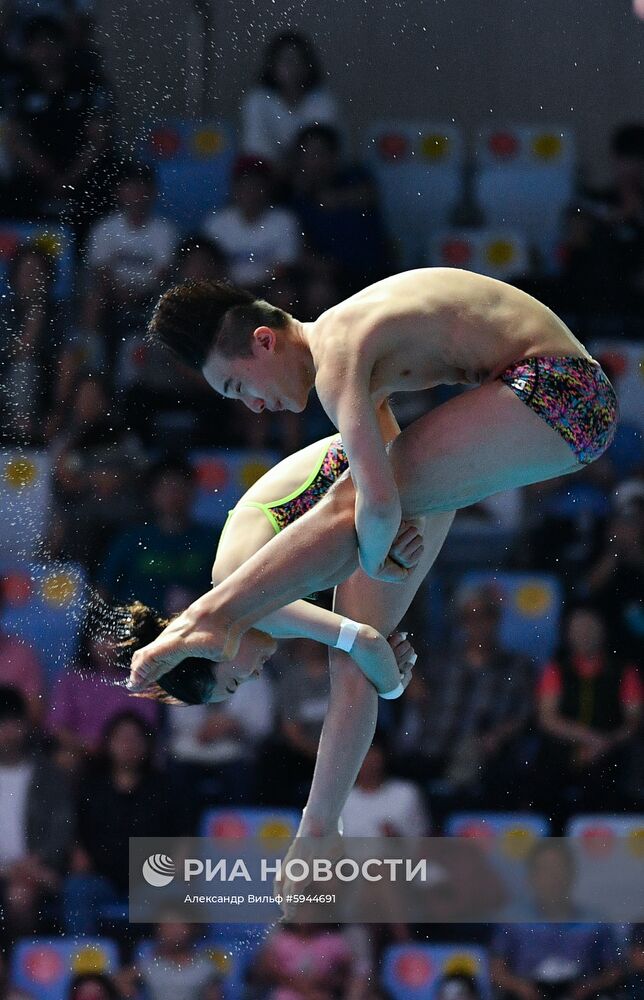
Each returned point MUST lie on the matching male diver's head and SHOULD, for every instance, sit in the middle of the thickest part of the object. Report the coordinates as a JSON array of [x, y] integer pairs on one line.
[[245, 348], [195, 681]]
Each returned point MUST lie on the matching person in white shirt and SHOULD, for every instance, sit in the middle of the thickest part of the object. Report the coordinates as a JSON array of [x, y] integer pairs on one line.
[[214, 747], [256, 237], [129, 253], [380, 806], [290, 95]]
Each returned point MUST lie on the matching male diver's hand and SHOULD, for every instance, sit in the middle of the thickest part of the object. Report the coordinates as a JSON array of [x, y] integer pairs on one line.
[[198, 631]]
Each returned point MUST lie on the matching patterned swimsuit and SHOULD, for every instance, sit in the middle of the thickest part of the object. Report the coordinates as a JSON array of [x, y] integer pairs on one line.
[[330, 465], [573, 395]]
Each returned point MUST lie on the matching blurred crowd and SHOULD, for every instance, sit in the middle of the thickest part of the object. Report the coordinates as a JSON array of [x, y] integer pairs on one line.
[[82, 765]]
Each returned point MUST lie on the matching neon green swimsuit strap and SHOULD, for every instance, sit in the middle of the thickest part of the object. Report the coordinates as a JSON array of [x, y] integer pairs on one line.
[[267, 508]]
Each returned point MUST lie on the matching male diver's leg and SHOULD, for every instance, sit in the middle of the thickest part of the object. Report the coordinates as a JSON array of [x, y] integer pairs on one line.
[[351, 717]]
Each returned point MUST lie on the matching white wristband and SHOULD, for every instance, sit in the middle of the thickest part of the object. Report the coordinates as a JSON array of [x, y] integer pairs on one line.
[[396, 693], [347, 636]]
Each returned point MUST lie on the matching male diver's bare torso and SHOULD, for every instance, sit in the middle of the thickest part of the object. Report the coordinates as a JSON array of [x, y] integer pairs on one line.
[[435, 326]]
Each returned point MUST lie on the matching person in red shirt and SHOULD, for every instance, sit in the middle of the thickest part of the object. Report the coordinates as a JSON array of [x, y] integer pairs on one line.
[[589, 709]]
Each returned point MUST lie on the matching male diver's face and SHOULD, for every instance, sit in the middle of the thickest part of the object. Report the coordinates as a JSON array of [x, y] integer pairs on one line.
[[265, 380], [255, 649]]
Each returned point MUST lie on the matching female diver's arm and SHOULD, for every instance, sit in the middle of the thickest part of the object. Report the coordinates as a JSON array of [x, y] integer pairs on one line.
[[247, 531]]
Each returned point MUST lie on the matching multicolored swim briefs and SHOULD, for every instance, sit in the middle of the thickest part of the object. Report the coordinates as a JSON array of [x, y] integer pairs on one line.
[[571, 394]]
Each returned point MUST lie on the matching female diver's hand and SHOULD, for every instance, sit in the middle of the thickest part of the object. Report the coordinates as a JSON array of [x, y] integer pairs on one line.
[[198, 631]]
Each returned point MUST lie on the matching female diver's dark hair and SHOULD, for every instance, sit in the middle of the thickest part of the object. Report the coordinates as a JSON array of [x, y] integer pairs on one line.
[[190, 683]]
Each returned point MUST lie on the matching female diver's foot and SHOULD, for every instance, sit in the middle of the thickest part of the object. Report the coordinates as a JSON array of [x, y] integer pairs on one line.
[[201, 635]]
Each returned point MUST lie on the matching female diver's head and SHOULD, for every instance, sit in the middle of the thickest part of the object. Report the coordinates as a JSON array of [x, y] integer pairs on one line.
[[195, 681]]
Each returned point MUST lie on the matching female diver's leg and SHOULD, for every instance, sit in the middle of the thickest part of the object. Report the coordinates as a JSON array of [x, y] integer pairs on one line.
[[477, 444], [350, 720]]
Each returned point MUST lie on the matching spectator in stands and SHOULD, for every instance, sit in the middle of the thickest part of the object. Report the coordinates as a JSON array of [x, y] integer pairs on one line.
[[130, 255], [95, 455], [36, 820], [85, 698], [166, 562], [635, 975], [175, 968], [604, 246], [589, 710], [287, 759], [337, 205], [197, 258], [58, 131], [290, 95], [380, 806], [580, 959], [616, 581], [257, 238], [458, 986], [171, 402], [308, 962], [464, 722], [93, 986], [214, 747], [20, 667], [122, 795], [33, 328]]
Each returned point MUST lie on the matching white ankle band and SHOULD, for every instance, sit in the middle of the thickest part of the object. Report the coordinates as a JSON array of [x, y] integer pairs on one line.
[[348, 632]]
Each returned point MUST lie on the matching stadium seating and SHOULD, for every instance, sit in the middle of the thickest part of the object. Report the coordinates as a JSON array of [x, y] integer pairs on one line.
[[222, 477], [530, 609], [259, 822], [44, 605], [53, 239], [525, 179], [510, 826], [44, 967], [499, 253], [193, 164], [418, 167], [413, 971], [25, 501], [229, 961]]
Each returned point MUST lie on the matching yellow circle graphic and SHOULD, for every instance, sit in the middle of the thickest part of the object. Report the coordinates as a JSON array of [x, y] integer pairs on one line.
[[20, 472], [275, 829], [461, 964], [251, 472], [500, 253], [517, 842], [220, 959], [90, 959], [435, 146], [49, 243], [208, 142], [547, 146], [636, 842], [59, 589], [533, 600]]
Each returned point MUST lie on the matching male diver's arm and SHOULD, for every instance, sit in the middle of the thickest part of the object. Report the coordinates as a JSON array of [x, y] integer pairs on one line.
[[377, 510]]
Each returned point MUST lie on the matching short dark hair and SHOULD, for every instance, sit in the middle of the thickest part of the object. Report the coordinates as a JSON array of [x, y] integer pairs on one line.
[[290, 40], [193, 317]]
